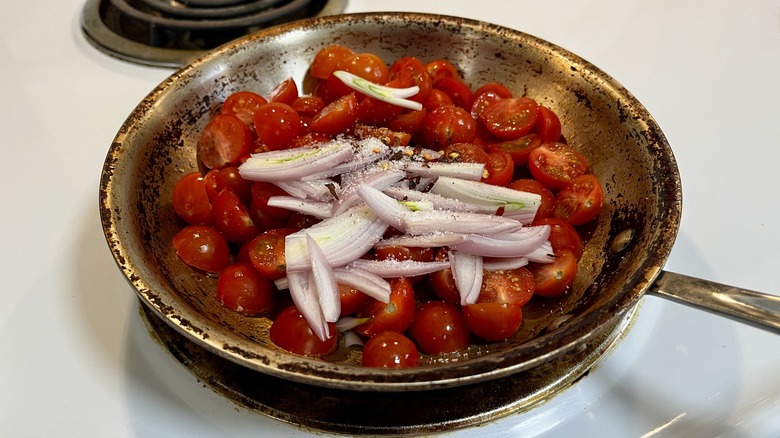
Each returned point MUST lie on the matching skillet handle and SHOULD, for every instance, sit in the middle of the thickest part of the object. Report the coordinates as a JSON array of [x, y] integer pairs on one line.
[[753, 308]]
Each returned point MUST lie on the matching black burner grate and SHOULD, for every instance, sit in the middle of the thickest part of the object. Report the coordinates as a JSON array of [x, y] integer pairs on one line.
[[173, 32]]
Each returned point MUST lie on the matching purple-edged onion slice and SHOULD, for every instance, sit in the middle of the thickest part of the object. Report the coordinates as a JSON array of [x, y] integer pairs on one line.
[[432, 240], [307, 303], [465, 171], [379, 180], [427, 222], [297, 163], [467, 272], [504, 264], [520, 243], [324, 282], [513, 202], [399, 268], [318, 209]]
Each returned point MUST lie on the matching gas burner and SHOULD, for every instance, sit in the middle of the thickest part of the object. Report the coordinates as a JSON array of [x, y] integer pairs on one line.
[[170, 33]]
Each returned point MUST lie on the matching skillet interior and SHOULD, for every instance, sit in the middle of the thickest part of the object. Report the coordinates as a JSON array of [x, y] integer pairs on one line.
[[628, 153]]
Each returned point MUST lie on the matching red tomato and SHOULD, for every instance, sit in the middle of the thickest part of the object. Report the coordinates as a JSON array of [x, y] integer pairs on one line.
[[548, 126], [448, 125], [553, 279], [224, 141], [231, 217], [494, 87], [519, 148], [309, 139], [308, 106], [531, 185], [191, 201], [202, 247], [437, 98], [460, 93], [439, 328], [291, 332], [493, 321], [243, 105], [330, 59], [266, 217], [511, 118], [580, 202], [482, 101], [375, 112], [266, 252], [227, 178], [337, 116], [284, 92], [394, 316], [562, 235], [409, 71], [514, 287], [499, 168], [241, 289], [556, 165], [331, 89], [351, 299], [464, 153], [390, 350], [277, 124], [443, 283], [410, 122], [441, 68], [369, 67]]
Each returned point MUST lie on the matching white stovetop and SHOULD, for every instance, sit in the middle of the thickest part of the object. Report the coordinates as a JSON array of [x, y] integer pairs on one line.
[[77, 360]]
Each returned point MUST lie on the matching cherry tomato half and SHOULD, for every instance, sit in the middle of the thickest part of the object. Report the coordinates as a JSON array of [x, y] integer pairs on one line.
[[531, 185], [337, 116], [439, 328], [231, 217], [284, 92], [243, 105], [330, 59], [224, 141], [580, 202], [390, 350], [202, 247], [511, 118], [394, 316], [553, 279], [448, 125], [514, 287], [548, 126], [556, 165], [493, 321], [266, 252], [242, 289], [291, 332], [277, 124], [499, 169], [519, 148], [562, 235], [191, 201]]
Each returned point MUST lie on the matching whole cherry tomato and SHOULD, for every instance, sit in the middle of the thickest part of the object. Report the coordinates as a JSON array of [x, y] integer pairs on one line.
[[439, 328], [493, 321], [291, 332], [277, 124], [190, 199], [330, 59], [553, 279], [202, 247], [562, 235], [394, 316], [448, 125], [242, 289], [390, 350]]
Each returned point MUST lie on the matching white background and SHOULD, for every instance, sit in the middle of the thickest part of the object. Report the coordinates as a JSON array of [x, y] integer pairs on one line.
[[77, 361]]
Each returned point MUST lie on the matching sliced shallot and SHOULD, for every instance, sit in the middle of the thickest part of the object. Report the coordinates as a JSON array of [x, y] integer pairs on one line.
[[467, 272], [297, 163], [324, 282], [389, 268], [307, 303], [318, 209], [520, 243]]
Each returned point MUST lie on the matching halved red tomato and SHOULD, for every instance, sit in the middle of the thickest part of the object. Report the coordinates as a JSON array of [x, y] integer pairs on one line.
[[291, 332], [459, 92], [394, 316], [519, 148], [548, 126], [266, 252], [190, 199], [224, 141], [202, 247], [531, 185], [330, 59], [284, 92], [499, 169], [511, 118], [447, 125], [231, 217], [562, 235], [337, 116], [243, 105], [556, 165], [553, 279], [242, 289], [580, 202]]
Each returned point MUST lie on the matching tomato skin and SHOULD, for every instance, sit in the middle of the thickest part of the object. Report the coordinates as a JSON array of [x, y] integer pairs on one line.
[[443, 282], [202, 247], [482, 101], [284, 92], [231, 217], [439, 328], [337, 116], [330, 59], [262, 215], [410, 122], [556, 165], [228, 177], [495, 88], [514, 287], [191, 201], [308, 106], [548, 126], [460, 93], [266, 252], [562, 235], [510, 118], [519, 148], [437, 98], [441, 68], [493, 321], [553, 279], [531, 185], [351, 299], [396, 316], [224, 141], [500, 169], [243, 105], [580, 202], [291, 332], [448, 125], [241, 289], [377, 113], [277, 124], [390, 350], [410, 71], [369, 67], [464, 153]]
